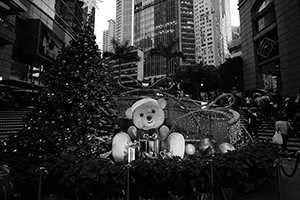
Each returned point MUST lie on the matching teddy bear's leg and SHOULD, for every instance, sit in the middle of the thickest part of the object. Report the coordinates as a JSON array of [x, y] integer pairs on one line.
[[119, 146], [176, 144]]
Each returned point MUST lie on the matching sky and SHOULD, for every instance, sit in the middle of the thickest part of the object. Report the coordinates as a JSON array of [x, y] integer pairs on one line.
[[107, 10]]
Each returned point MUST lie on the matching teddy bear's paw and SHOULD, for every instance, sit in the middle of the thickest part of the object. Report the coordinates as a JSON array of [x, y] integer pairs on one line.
[[176, 144], [119, 146]]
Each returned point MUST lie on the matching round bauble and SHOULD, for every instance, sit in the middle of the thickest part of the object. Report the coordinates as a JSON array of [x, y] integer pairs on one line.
[[225, 147], [190, 149], [204, 144]]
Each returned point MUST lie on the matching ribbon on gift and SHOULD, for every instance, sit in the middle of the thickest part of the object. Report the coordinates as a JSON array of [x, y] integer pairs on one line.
[[135, 143], [152, 137], [164, 154], [151, 155]]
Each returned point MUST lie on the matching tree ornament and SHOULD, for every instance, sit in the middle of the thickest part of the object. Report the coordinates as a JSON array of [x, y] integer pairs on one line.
[[190, 149], [225, 147], [205, 143]]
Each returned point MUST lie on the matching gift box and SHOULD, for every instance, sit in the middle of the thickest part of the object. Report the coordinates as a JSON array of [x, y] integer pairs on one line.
[[150, 144], [133, 151]]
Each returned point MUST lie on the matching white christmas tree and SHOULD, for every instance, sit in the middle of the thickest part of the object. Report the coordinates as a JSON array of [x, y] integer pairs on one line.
[[91, 4]]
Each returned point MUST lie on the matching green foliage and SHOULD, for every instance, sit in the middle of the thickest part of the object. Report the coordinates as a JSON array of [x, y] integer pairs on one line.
[[167, 51], [92, 177], [231, 73], [203, 78], [73, 120], [121, 53], [197, 78]]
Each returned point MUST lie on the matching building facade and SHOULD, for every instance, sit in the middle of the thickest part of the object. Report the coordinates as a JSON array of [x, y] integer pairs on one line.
[[36, 30], [212, 31], [160, 22], [124, 21], [131, 71], [271, 44], [108, 35]]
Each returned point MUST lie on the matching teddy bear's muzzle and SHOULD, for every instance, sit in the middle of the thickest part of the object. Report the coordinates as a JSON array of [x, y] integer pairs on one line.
[[149, 118]]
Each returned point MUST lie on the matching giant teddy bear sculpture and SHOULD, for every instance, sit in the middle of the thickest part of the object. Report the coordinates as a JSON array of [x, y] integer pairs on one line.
[[148, 117]]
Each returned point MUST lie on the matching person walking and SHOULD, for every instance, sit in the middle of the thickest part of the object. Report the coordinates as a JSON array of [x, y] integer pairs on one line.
[[266, 108], [251, 123], [296, 123], [297, 100], [282, 126]]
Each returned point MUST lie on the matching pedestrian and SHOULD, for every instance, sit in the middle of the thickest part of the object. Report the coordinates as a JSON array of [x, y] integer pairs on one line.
[[274, 111], [248, 102], [251, 123], [237, 103], [266, 108], [282, 125], [296, 123], [289, 108], [297, 100]]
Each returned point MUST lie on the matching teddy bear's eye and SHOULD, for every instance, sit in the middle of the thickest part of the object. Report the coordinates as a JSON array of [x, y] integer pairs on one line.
[[141, 115], [153, 111]]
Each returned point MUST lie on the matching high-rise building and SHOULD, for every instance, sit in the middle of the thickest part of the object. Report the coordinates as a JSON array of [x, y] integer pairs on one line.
[[160, 22], [271, 44], [212, 31], [124, 21], [108, 35], [31, 35]]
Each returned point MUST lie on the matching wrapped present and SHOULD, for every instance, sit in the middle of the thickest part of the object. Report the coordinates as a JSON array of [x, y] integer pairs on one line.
[[150, 144], [133, 151]]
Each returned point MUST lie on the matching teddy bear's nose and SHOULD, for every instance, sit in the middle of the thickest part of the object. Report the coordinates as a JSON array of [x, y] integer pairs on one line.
[[149, 118]]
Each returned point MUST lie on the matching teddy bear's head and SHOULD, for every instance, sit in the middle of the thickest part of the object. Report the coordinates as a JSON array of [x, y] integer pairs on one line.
[[147, 113]]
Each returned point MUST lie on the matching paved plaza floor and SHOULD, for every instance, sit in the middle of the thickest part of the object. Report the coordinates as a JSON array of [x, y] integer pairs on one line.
[[289, 186]]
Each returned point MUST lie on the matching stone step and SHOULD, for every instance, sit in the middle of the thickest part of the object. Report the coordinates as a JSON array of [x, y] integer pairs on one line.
[[11, 122]]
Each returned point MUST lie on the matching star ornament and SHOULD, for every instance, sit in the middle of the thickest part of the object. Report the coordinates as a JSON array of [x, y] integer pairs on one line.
[[91, 4]]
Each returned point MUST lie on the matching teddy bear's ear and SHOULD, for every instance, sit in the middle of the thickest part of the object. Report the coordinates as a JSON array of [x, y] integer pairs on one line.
[[162, 103], [128, 113]]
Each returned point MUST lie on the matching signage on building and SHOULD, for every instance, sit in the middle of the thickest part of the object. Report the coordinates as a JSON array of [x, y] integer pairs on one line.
[[49, 45], [39, 40]]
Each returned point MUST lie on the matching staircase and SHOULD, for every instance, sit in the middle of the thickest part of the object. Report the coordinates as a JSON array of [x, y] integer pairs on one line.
[[266, 132], [11, 122]]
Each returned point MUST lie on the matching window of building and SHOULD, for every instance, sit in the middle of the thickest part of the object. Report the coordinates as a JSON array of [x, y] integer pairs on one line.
[[264, 15]]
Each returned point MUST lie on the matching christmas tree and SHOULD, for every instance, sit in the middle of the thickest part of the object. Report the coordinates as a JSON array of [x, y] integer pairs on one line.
[[74, 117]]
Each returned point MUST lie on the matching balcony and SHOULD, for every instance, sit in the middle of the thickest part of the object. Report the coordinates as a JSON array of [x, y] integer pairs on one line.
[[7, 32]]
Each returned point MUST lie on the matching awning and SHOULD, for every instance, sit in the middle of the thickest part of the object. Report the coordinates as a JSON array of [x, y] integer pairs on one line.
[[20, 84], [8, 86], [25, 91]]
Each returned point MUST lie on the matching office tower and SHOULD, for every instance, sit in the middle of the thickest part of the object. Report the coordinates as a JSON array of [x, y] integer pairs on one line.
[[108, 35], [124, 21], [160, 22], [212, 31], [31, 35]]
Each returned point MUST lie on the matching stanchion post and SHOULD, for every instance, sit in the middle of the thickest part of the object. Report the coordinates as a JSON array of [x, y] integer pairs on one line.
[[41, 170], [278, 172], [212, 177], [128, 181]]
